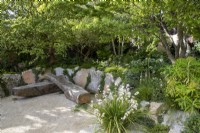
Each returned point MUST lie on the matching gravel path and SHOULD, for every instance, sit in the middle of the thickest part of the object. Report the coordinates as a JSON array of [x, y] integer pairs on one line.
[[50, 113]]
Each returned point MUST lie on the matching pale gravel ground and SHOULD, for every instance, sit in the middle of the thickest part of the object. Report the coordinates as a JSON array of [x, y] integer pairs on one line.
[[50, 113]]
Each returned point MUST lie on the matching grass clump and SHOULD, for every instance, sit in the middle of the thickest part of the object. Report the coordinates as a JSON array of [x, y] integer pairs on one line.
[[116, 110]]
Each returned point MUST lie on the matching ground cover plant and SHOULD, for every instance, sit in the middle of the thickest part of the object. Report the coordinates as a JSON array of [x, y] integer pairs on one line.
[[192, 125]]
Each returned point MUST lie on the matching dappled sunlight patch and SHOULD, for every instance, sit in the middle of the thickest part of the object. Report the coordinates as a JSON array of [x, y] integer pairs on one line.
[[65, 132], [63, 109], [18, 129], [54, 112], [85, 115], [35, 119], [52, 115], [47, 112], [37, 125]]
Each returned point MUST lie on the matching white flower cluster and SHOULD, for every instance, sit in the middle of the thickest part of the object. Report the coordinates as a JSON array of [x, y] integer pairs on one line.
[[133, 106], [121, 94], [98, 115], [124, 94]]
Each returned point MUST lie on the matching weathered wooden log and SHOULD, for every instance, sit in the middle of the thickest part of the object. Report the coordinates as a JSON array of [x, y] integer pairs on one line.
[[35, 89], [72, 92]]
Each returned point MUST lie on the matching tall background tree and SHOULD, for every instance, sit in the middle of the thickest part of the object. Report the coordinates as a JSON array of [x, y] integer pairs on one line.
[[35, 32]]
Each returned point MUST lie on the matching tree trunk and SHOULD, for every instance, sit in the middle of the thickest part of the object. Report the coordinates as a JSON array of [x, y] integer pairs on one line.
[[72, 92], [35, 89], [189, 49], [167, 49], [51, 54], [164, 41], [119, 50], [177, 49], [113, 46], [122, 47], [183, 46], [86, 55]]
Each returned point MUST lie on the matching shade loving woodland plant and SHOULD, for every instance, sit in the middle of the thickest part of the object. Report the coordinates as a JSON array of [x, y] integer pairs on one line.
[[115, 110], [183, 84]]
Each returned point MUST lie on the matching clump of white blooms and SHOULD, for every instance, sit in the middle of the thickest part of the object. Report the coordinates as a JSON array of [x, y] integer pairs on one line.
[[122, 96]]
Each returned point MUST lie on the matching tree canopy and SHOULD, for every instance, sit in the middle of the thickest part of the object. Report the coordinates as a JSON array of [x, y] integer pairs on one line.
[[42, 30]]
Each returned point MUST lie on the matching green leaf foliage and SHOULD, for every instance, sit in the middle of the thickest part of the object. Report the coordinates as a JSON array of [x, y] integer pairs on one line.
[[48, 32], [183, 84], [192, 124]]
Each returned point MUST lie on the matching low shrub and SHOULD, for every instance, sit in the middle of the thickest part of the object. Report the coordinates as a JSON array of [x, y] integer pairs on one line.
[[183, 84], [158, 128], [132, 77], [143, 69], [117, 71], [192, 124], [151, 90], [145, 121]]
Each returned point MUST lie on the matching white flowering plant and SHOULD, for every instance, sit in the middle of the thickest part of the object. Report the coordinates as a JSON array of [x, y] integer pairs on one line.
[[115, 110]]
